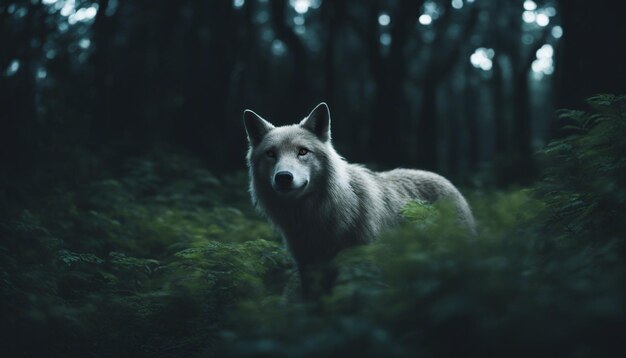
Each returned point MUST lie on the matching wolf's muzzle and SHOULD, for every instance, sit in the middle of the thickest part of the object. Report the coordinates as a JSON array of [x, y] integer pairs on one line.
[[283, 180]]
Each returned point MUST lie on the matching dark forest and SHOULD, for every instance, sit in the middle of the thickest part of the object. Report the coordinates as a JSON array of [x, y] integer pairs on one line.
[[126, 225]]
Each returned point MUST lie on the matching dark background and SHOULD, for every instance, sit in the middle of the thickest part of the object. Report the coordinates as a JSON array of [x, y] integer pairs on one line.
[[80, 83], [126, 228]]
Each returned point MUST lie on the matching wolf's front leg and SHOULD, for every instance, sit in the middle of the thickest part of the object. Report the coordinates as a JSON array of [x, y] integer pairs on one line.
[[317, 279]]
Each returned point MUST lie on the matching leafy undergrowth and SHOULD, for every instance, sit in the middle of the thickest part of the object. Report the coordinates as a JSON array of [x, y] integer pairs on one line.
[[165, 259], [433, 290], [144, 264]]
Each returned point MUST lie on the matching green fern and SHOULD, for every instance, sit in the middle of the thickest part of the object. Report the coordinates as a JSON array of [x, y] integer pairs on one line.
[[585, 183]]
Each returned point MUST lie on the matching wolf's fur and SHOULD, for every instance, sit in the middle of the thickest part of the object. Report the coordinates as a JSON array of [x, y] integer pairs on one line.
[[335, 204]]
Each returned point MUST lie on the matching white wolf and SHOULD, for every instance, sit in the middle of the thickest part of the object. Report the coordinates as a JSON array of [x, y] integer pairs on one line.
[[321, 204]]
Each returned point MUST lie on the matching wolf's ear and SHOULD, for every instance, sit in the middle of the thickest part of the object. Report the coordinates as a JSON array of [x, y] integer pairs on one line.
[[256, 127], [318, 122]]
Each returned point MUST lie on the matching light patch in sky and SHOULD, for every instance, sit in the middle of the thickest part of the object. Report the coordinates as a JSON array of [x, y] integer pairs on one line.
[[301, 6], [84, 43], [530, 5], [529, 17], [83, 15], [110, 10], [298, 20], [543, 20], [385, 39], [14, 66], [68, 8], [457, 4], [21, 12], [550, 69], [432, 9], [384, 19], [63, 27], [557, 32], [300, 30], [238, 4], [42, 73], [48, 2], [278, 47], [425, 19], [544, 64], [262, 17], [550, 11], [314, 4], [483, 58], [546, 51], [267, 35]]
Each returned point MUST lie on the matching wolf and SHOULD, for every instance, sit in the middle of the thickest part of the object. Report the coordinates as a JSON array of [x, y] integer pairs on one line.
[[320, 203]]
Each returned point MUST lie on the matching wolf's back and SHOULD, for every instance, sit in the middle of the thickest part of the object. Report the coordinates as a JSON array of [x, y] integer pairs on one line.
[[405, 185]]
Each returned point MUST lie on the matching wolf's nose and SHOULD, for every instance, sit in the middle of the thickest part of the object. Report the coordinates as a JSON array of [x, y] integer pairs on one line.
[[283, 179]]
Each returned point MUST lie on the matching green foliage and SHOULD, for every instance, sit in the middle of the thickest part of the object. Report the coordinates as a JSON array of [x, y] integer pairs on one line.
[[421, 214], [422, 287], [585, 183], [162, 258], [142, 264]]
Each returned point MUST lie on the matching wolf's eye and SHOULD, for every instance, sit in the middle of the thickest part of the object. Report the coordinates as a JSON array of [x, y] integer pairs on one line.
[[270, 153], [303, 151]]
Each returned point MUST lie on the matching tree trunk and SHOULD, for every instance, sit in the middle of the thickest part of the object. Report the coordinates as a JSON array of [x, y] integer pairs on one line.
[[104, 121], [519, 166], [208, 85], [501, 123], [472, 121], [427, 151], [441, 63], [300, 89], [333, 11], [522, 169], [18, 102], [594, 53], [390, 76], [453, 139]]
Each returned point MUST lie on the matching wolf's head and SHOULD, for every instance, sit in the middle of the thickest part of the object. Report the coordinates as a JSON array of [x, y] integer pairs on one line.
[[288, 160]]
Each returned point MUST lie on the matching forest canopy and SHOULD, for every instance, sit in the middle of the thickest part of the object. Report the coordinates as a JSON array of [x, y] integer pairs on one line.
[[463, 87]]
